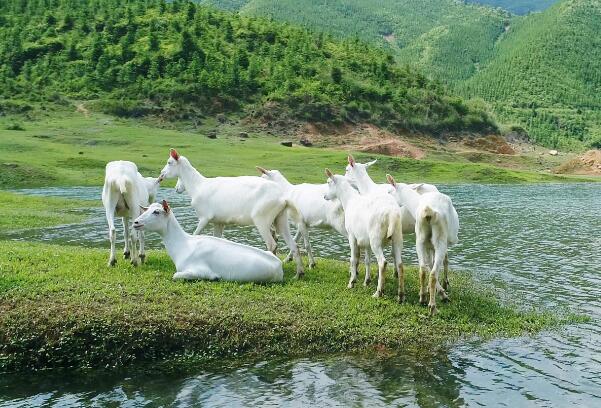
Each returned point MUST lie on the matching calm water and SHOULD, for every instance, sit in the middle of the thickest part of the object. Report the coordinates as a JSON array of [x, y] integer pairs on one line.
[[538, 244]]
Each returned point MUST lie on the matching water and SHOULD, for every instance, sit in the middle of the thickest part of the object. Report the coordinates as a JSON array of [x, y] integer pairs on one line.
[[535, 243]]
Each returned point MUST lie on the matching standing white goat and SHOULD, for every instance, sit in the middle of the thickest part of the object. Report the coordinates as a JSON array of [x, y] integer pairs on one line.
[[204, 257], [370, 221], [313, 209], [244, 200], [124, 191], [436, 228], [357, 172]]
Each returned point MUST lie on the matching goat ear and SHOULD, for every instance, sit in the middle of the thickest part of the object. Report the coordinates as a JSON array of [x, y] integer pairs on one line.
[[371, 163], [166, 206], [262, 170], [329, 174], [351, 160], [173, 153], [144, 209], [417, 186], [391, 180]]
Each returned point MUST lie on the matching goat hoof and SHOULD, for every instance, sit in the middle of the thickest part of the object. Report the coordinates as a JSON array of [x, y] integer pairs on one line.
[[312, 265], [299, 275], [287, 259], [446, 299], [135, 262], [112, 262], [401, 298], [350, 285], [377, 294], [126, 255], [142, 258], [423, 302], [433, 310], [366, 282]]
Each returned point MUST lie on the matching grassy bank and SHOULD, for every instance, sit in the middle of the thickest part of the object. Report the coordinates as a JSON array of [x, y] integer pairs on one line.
[[65, 148], [22, 212], [62, 307]]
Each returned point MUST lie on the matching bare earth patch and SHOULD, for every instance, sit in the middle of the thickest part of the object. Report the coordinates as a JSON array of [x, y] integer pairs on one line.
[[363, 138], [587, 164]]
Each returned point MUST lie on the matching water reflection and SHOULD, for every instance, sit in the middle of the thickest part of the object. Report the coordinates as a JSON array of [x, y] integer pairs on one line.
[[427, 381], [537, 244]]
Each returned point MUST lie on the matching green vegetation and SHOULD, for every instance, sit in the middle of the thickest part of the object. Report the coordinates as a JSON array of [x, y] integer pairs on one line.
[[546, 73], [62, 307], [60, 148], [518, 6], [177, 60], [21, 212], [540, 71], [445, 38]]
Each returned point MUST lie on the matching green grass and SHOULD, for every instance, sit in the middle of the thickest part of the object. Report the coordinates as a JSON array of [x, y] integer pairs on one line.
[[63, 149], [23, 212], [63, 307]]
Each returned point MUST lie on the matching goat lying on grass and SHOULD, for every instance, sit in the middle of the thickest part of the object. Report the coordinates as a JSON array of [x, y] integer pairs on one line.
[[371, 221], [124, 191], [436, 228], [244, 200], [205, 257]]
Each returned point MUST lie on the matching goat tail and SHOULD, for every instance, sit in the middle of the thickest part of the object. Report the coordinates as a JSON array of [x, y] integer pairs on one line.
[[428, 214], [122, 184], [394, 222]]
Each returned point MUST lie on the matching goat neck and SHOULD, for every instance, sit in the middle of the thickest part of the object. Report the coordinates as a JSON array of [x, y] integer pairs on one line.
[[364, 182], [408, 198], [189, 176], [345, 192], [174, 238]]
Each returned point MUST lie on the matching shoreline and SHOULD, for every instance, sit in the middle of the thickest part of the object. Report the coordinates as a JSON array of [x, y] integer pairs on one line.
[[63, 307]]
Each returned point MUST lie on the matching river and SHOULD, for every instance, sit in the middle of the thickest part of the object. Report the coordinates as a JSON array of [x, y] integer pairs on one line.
[[536, 244]]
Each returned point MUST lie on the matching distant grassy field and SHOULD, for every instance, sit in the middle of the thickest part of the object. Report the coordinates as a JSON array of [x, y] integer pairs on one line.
[[62, 307], [71, 149]]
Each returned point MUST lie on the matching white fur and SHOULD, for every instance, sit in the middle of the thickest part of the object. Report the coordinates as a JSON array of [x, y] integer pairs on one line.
[[124, 191], [244, 200], [371, 221], [313, 209], [436, 228], [357, 173], [205, 257]]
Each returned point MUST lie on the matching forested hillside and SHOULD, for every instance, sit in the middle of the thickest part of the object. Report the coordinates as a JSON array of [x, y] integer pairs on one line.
[[541, 71], [180, 59], [445, 38], [518, 6], [547, 73]]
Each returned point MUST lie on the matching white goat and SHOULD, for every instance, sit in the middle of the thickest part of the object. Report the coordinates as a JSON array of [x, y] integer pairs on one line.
[[313, 209], [244, 200], [204, 257], [436, 228], [357, 172], [370, 221], [124, 191]]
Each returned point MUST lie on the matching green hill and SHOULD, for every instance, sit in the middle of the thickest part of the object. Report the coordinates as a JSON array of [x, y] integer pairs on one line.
[[547, 73], [541, 71], [445, 38], [517, 6], [178, 59]]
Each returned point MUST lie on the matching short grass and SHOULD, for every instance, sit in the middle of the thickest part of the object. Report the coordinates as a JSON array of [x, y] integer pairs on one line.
[[23, 212], [65, 148], [63, 307]]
